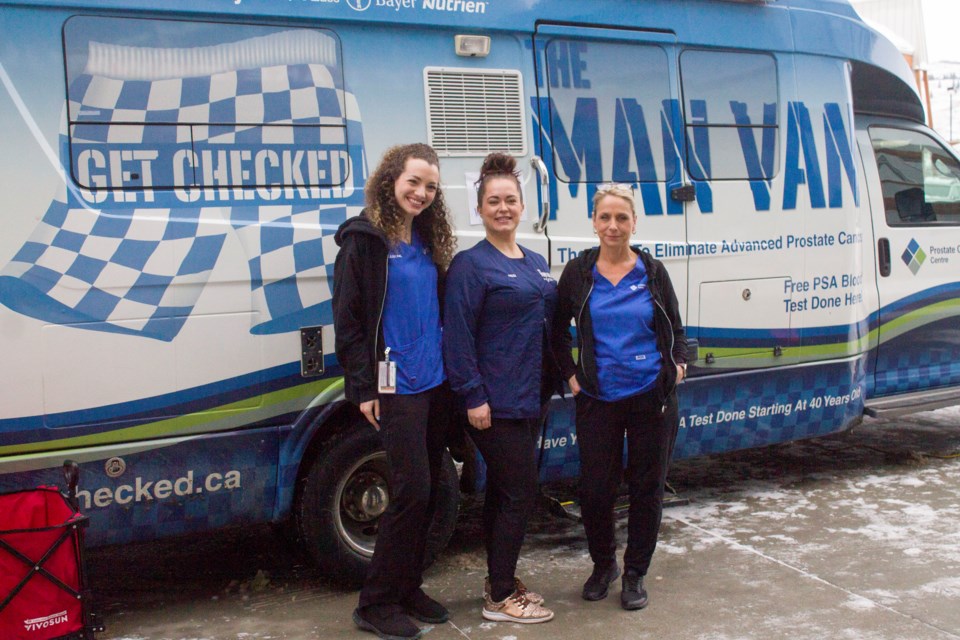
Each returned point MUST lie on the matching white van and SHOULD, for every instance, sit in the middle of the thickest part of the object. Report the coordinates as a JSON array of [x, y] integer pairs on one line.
[[172, 178]]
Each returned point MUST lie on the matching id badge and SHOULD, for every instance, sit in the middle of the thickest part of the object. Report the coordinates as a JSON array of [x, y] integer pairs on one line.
[[387, 374]]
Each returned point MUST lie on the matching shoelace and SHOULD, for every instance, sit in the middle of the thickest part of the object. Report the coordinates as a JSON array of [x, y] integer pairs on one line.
[[521, 600], [632, 583], [521, 588]]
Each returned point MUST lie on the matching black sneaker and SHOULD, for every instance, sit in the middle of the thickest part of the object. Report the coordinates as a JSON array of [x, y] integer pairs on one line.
[[426, 609], [598, 584], [632, 594], [387, 622]]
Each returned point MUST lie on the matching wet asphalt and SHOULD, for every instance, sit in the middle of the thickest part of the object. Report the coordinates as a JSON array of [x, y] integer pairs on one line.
[[851, 536]]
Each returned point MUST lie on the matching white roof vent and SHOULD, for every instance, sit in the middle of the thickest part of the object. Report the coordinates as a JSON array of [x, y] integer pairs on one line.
[[471, 112]]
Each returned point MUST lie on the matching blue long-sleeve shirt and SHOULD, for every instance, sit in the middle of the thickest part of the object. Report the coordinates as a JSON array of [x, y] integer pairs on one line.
[[497, 313]]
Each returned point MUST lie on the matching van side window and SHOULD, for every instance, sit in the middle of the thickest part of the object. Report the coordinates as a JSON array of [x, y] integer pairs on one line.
[[730, 113], [161, 104], [608, 105], [920, 179]]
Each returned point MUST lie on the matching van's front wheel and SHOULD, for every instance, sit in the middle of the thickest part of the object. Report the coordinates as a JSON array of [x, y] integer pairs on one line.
[[346, 491]]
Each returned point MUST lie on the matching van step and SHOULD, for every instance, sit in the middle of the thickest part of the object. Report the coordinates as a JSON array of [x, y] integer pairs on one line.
[[905, 403]]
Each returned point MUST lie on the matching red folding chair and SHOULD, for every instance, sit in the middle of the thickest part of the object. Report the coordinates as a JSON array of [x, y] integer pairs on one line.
[[43, 590]]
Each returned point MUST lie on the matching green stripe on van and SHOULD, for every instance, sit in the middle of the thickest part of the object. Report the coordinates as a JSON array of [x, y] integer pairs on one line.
[[221, 418]]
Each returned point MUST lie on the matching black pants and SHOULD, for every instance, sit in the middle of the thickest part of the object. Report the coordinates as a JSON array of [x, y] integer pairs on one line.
[[651, 433], [413, 429], [508, 449]]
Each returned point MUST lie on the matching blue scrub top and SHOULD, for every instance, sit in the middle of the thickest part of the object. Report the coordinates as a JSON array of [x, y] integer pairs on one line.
[[411, 317], [497, 313], [623, 333]]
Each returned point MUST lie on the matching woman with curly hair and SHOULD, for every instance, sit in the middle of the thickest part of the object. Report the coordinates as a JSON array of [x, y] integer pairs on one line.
[[386, 303], [499, 298]]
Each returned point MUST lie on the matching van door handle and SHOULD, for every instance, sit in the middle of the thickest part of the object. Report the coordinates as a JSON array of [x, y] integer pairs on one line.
[[538, 165], [883, 256]]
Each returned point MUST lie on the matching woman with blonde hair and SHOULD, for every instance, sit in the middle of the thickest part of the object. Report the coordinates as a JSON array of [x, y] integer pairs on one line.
[[386, 302], [632, 355]]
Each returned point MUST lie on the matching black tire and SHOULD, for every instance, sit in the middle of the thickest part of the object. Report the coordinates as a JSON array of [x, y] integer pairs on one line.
[[344, 492]]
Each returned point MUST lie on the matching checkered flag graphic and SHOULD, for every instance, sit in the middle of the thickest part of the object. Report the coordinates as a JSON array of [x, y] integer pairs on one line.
[[113, 273], [140, 269]]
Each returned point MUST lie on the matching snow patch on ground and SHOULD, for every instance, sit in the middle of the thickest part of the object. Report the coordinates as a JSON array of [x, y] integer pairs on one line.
[[945, 587], [673, 549], [859, 603]]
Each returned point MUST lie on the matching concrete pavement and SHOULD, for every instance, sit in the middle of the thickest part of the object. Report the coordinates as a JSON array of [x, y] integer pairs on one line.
[[853, 536]]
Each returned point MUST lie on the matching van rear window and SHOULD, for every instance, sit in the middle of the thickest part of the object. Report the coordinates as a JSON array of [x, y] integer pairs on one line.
[[730, 108], [163, 104], [610, 111]]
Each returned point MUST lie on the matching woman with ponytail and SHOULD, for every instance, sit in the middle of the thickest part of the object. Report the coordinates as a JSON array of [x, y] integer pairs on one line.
[[386, 303], [499, 298]]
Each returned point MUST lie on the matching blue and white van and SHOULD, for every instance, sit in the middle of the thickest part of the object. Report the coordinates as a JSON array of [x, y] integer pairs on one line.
[[172, 175]]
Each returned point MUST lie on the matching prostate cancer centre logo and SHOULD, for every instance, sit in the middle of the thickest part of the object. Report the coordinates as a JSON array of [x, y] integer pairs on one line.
[[913, 256]]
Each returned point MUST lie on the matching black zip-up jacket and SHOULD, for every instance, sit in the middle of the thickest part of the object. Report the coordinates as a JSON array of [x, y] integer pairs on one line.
[[575, 287], [359, 293]]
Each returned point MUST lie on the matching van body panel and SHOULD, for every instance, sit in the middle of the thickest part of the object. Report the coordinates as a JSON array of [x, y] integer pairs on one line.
[[174, 179]]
